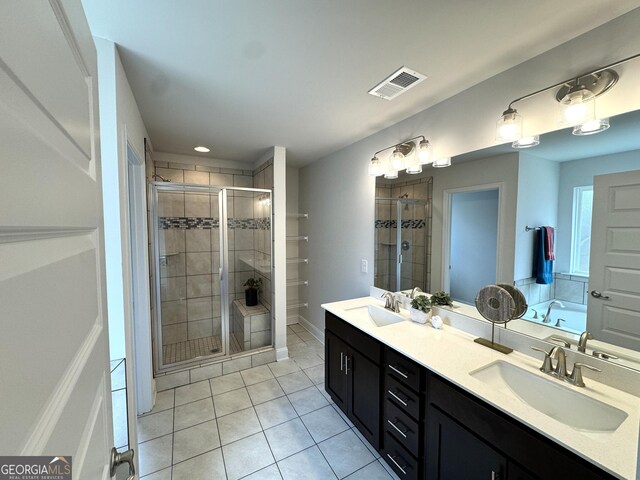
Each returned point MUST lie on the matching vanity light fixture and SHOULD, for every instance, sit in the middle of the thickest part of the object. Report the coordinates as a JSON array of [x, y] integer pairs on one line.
[[407, 156], [576, 97], [375, 167], [202, 149], [589, 128], [527, 142], [442, 162], [509, 126]]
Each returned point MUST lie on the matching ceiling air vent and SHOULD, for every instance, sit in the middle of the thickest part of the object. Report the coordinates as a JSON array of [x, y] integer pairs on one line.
[[398, 82]]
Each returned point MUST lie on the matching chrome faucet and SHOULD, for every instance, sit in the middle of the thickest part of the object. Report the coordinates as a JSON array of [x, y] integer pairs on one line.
[[560, 370], [546, 318], [414, 291], [391, 303], [582, 343]]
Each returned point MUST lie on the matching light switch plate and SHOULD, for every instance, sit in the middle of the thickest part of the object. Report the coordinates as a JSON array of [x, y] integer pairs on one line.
[[364, 266]]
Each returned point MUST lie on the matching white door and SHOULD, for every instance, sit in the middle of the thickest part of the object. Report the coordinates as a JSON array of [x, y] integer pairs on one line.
[[613, 312], [54, 365]]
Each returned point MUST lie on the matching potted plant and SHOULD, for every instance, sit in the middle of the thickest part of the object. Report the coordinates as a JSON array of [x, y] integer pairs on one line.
[[253, 287], [441, 299], [420, 307]]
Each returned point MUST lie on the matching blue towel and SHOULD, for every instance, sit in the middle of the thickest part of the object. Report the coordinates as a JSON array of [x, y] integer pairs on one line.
[[542, 269]]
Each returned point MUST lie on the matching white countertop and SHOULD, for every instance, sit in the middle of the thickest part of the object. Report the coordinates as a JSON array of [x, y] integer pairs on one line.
[[452, 354]]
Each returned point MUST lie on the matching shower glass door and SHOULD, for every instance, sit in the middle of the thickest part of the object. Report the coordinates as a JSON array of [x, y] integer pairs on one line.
[[189, 309], [402, 240], [411, 240], [207, 242]]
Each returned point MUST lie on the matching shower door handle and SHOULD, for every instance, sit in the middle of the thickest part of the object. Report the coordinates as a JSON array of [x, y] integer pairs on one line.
[[220, 273]]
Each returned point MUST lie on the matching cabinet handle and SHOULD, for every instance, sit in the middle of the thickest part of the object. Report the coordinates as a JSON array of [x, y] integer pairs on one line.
[[393, 459], [346, 365], [397, 398], [395, 369], [495, 475], [341, 361], [401, 432]]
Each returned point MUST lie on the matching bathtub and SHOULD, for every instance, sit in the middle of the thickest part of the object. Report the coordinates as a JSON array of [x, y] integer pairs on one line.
[[573, 314]]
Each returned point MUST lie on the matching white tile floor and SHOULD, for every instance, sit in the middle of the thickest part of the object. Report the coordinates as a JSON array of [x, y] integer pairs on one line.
[[274, 421]]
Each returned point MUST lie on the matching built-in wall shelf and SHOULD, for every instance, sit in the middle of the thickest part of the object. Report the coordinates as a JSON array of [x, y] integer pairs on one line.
[[297, 260], [301, 238], [297, 305], [296, 282]]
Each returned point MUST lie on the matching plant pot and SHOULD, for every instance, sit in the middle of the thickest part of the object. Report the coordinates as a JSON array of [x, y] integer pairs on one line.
[[419, 316], [251, 297]]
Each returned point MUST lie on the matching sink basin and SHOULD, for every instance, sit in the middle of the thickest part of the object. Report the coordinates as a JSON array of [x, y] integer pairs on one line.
[[382, 317], [549, 396]]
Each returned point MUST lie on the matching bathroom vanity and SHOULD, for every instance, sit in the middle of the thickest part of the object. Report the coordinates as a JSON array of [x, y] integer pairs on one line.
[[428, 401]]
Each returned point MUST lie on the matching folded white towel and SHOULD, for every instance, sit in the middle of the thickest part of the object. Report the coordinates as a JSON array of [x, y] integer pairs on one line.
[[436, 321]]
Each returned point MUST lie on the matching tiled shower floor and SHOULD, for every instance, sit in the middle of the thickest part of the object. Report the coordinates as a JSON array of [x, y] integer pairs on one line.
[[274, 421], [200, 347]]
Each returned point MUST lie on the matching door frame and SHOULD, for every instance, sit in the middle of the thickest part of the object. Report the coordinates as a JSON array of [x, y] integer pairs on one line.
[[446, 226], [135, 282]]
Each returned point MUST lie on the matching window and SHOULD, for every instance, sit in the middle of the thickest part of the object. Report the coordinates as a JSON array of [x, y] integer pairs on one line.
[[581, 229]]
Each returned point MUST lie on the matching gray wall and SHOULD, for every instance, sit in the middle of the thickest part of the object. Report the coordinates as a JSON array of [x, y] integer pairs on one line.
[[537, 205]]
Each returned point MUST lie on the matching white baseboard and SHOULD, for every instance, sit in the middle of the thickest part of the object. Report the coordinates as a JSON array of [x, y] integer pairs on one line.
[[315, 331], [282, 353]]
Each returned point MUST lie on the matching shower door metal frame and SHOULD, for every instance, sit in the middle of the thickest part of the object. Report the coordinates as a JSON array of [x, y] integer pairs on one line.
[[223, 271]]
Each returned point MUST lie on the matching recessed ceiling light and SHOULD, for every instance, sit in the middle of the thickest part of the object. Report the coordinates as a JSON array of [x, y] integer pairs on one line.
[[202, 149]]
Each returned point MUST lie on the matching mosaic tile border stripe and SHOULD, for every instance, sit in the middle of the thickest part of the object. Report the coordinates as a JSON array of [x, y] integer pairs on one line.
[[207, 223], [413, 224]]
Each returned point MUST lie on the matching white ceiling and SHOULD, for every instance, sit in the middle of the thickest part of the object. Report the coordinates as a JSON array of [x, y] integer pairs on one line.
[[243, 75]]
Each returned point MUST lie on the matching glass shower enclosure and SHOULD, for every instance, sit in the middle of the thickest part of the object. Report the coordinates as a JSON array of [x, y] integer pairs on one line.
[[206, 243], [402, 243]]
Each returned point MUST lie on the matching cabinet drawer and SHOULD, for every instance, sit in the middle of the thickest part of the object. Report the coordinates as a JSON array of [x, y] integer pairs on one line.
[[353, 337], [398, 459], [405, 398], [402, 369], [402, 427]]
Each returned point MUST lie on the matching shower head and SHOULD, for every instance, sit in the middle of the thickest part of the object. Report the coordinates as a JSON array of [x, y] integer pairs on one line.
[[406, 195], [155, 176]]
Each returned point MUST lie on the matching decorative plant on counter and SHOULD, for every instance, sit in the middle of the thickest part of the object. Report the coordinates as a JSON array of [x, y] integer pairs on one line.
[[441, 298], [420, 307], [254, 286]]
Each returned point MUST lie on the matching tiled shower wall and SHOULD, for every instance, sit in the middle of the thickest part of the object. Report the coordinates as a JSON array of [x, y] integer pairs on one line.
[[416, 228], [191, 301], [263, 178]]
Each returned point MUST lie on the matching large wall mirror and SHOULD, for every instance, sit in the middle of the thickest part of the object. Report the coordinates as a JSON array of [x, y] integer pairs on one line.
[[555, 187]]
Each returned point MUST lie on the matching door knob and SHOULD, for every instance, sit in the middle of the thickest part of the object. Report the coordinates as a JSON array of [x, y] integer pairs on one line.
[[597, 294], [118, 458]]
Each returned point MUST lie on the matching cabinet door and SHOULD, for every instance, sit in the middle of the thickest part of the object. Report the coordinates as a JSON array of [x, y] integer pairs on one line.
[[516, 472], [454, 453], [364, 391], [335, 378]]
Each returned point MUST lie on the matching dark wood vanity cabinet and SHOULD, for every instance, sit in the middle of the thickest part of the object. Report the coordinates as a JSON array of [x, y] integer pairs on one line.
[[402, 438], [466, 438], [427, 428], [352, 375]]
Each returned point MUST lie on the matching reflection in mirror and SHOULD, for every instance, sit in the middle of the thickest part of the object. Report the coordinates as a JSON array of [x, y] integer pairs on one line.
[[403, 232], [556, 188]]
